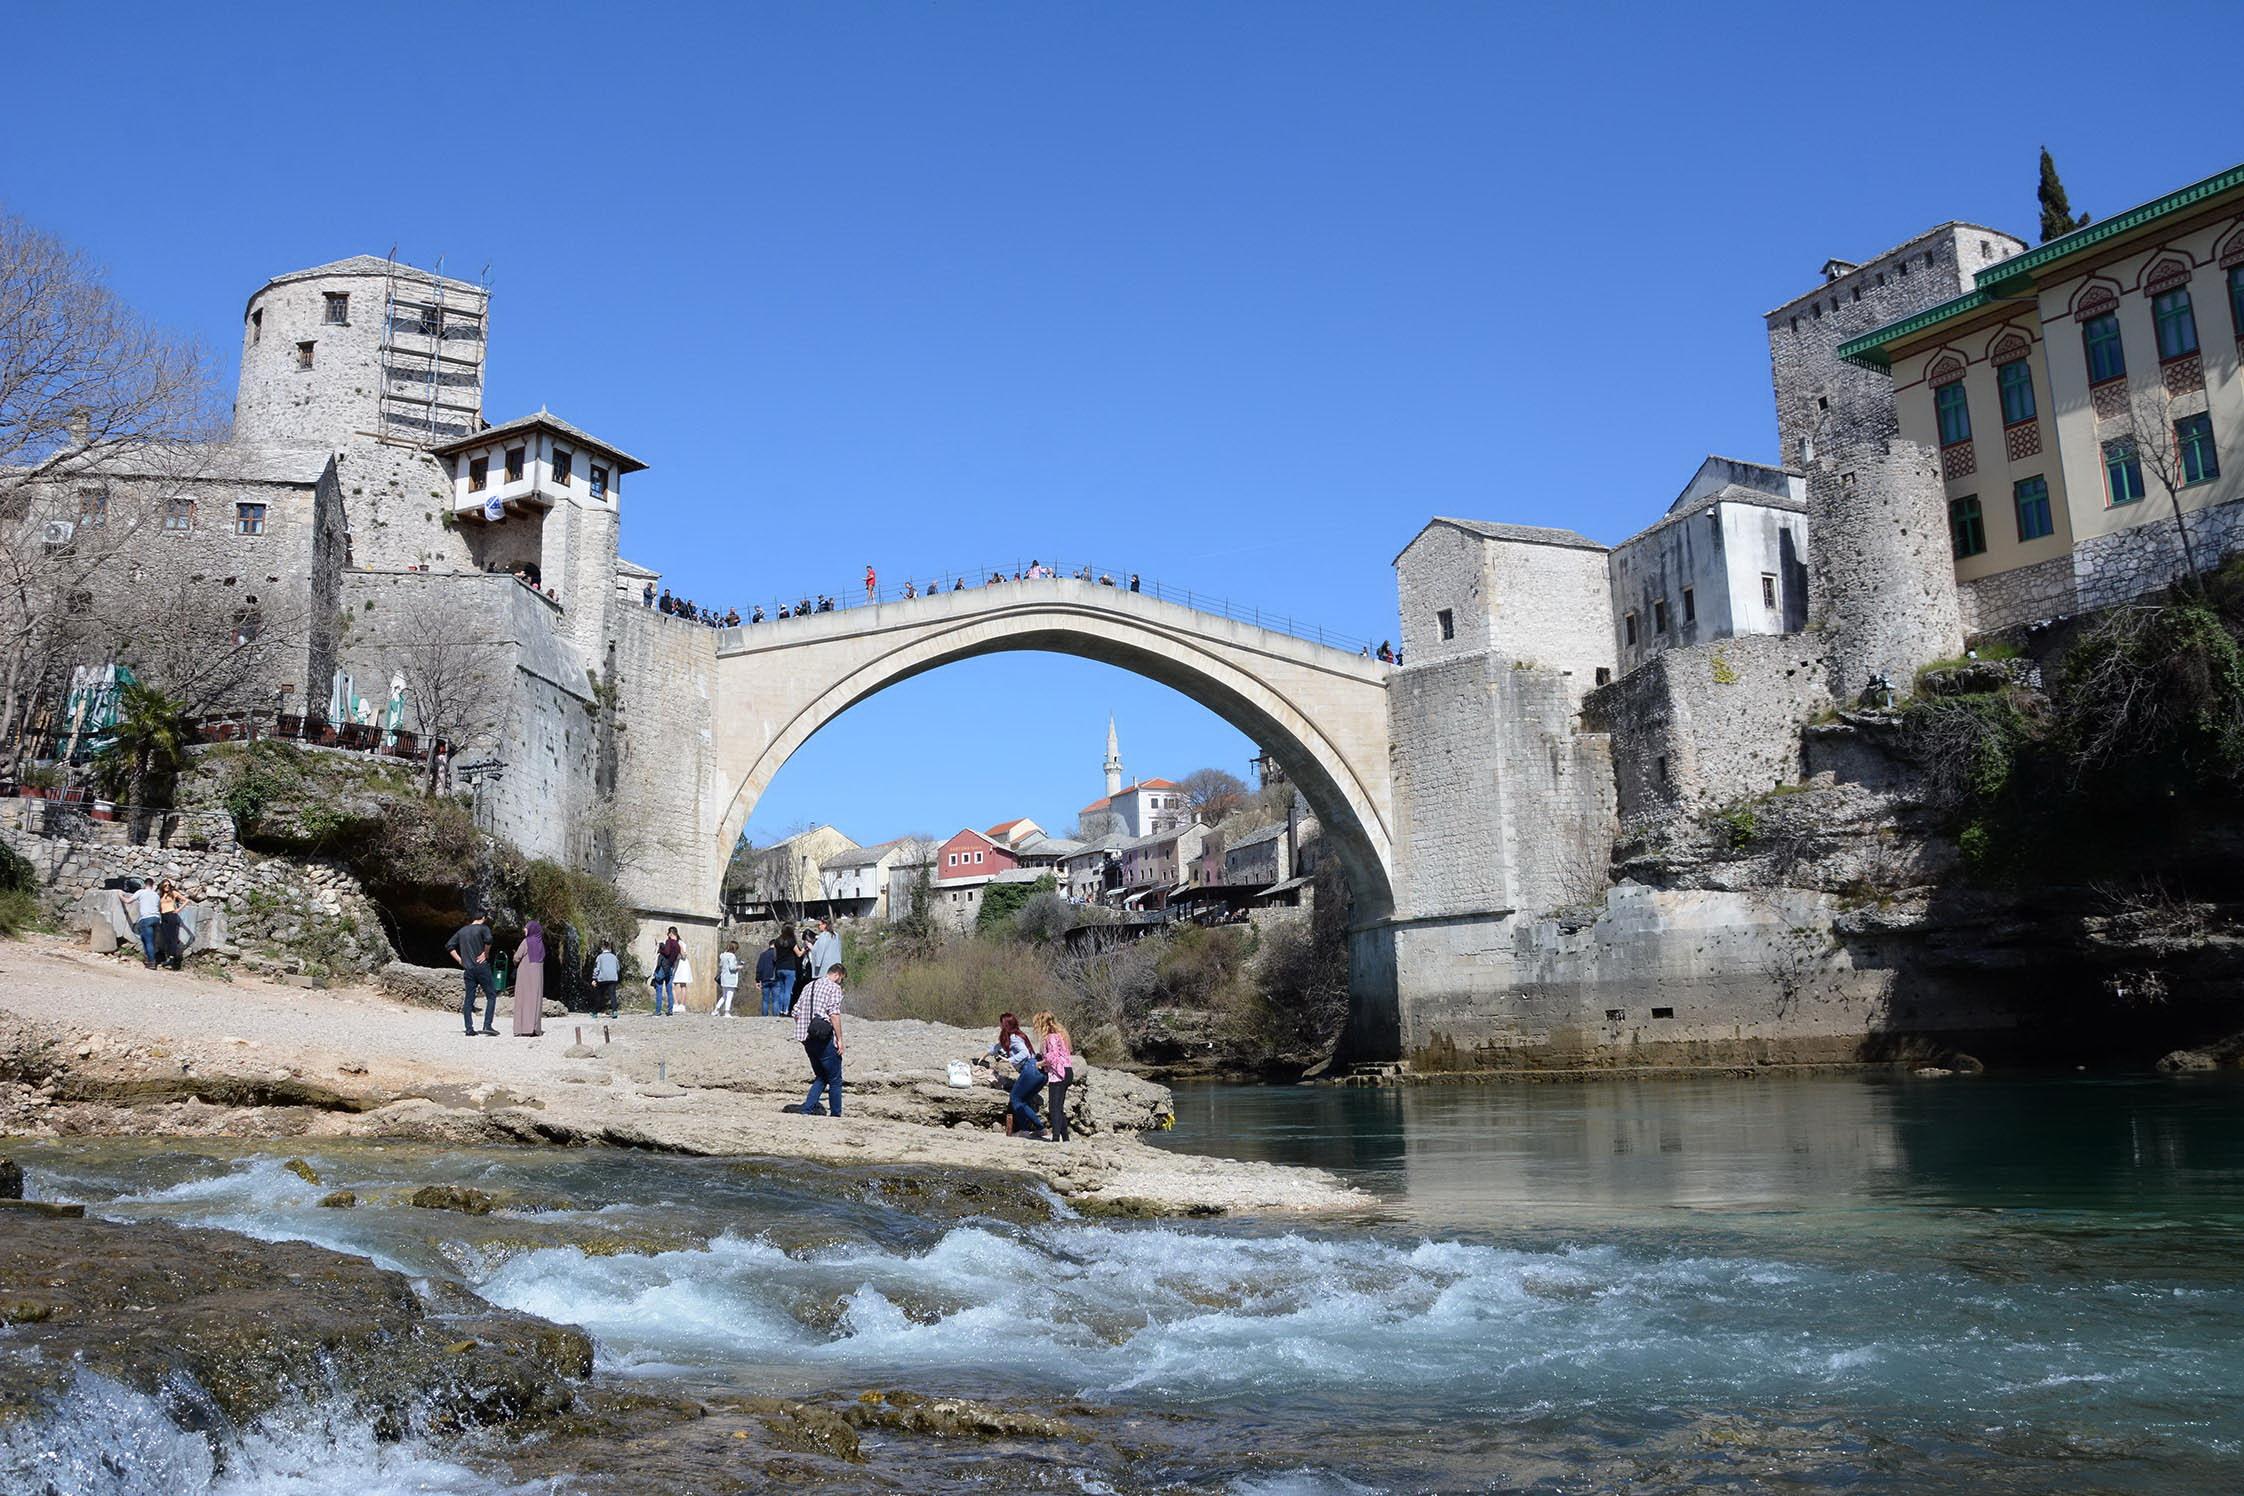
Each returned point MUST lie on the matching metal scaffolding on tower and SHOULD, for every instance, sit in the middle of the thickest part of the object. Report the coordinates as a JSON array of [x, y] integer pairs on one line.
[[434, 334]]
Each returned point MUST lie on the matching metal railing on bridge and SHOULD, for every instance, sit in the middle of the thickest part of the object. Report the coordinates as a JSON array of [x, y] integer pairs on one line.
[[921, 585]]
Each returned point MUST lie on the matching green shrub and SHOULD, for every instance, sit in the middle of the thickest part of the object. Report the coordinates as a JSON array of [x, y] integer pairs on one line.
[[1002, 902], [577, 910], [1735, 826], [20, 910]]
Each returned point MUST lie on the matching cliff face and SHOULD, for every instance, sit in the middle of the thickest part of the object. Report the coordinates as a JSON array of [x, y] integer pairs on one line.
[[1839, 921]]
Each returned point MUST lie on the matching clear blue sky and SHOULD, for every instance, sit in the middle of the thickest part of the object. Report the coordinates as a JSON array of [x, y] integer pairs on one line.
[[1236, 295]]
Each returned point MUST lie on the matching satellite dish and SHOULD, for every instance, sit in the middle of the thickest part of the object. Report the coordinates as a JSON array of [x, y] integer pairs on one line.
[[58, 532]]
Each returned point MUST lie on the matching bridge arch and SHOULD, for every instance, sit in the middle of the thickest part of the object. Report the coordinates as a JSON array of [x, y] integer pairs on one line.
[[1320, 712]]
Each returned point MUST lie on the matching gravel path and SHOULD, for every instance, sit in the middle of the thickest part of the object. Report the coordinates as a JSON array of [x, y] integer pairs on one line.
[[356, 1062]]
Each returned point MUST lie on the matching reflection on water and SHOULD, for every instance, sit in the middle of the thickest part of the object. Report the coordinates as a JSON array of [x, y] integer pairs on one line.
[[1839, 1147]]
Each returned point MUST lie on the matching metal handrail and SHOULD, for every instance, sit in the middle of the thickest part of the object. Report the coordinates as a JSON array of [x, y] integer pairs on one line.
[[947, 582]]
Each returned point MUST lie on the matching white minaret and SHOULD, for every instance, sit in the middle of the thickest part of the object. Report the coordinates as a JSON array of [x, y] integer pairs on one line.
[[1113, 761]]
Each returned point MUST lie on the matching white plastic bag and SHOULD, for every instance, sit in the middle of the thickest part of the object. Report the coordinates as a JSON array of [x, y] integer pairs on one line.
[[962, 1075]]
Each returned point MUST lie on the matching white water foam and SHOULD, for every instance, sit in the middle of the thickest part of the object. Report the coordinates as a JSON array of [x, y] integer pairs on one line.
[[104, 1439], [258, 1198], [1109, 1311]]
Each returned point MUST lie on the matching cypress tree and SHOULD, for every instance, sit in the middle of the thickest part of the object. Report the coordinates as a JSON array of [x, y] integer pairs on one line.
[[2056, 213]]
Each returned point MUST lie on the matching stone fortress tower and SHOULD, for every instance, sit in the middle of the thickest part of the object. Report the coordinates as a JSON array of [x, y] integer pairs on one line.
[[1881, 579], [361, 348], [363, 489]]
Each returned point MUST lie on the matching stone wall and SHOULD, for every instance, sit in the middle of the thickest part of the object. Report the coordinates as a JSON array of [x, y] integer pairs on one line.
[[183, 534], [1881, 579], [2116, 568], [1709, 724], [1553, 610], [2102, 571], [668, 791], [1444, 568], [2028, 594], [1500, 805], [397, 501], [1545, 603], [548, 732], [1452, 853], [296, 916]]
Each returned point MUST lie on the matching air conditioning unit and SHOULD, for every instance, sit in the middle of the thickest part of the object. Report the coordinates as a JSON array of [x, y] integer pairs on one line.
[[58, 532]]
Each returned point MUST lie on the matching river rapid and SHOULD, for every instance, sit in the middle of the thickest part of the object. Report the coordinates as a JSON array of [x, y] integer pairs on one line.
[[1983, 1285]]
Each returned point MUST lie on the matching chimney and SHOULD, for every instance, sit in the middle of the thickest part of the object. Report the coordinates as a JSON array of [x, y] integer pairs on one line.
[[81, 426]]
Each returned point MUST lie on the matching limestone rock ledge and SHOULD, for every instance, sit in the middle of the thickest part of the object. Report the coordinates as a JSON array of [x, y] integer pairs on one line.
[[254, 1324]]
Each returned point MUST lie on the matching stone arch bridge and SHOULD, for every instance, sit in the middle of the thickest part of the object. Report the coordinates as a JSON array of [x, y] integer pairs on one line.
[[1321, 712], [758, 692]]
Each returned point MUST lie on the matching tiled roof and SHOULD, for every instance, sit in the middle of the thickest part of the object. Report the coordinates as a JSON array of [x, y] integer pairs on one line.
[[864, 856], [1254, 838], [1524, 534], [625, 462]]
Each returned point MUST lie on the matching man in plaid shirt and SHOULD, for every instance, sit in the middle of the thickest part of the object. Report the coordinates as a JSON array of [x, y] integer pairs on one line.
[[820, 1009]]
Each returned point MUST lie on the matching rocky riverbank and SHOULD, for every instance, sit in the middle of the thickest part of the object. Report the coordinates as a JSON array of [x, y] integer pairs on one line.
[[150, 1357], [95, 1045]]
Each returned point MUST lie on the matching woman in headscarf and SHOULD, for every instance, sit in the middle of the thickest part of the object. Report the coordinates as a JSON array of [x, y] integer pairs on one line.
[[529, 982]]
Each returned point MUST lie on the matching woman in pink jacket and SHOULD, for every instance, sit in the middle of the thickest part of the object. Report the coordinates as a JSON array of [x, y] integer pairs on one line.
[[1058, 1057]]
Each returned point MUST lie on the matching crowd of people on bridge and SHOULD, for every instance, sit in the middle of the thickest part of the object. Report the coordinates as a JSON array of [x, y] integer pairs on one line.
[[671, 605]]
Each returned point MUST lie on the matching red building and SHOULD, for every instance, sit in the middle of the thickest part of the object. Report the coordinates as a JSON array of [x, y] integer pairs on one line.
[[972, 854]]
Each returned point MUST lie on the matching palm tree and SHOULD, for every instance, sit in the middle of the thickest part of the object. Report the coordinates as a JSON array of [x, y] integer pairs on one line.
[[146, 747]]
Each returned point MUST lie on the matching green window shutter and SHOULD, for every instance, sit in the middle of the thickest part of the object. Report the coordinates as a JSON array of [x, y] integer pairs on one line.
[[1955, 413], [2123, 472], [2031, 497], [2193, 437], [1967, 531], [2016, 380], [2177, 325], [2106, 358]]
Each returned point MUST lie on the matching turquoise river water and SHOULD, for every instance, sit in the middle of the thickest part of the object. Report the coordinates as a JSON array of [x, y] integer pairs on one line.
[[1817, 1283]]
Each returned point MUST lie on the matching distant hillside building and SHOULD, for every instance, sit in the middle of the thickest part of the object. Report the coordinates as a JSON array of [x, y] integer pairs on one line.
[[854, 884], [972, 854], [1138, 809]]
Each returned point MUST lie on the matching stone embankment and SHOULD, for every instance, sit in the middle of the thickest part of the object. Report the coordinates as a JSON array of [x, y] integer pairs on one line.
[[273, 913], [92, 1045]]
